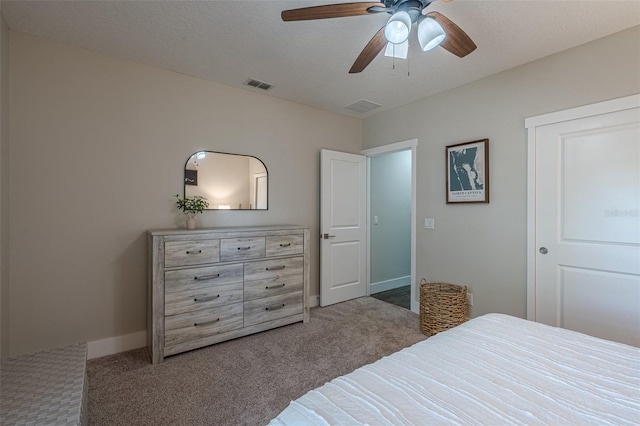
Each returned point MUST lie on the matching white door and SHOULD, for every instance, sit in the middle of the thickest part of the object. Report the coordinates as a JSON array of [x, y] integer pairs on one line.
[[587, 225], [261, 190], [342, 226]]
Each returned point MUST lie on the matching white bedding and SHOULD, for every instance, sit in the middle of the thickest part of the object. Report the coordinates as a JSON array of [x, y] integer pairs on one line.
[[492, 370]]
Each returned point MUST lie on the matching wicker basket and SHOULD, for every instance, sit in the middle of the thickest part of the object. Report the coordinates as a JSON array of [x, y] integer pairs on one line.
[[442, 306]]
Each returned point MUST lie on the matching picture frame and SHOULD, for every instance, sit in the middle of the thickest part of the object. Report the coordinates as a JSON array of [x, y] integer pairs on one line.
[[191, 177], [468, 172]]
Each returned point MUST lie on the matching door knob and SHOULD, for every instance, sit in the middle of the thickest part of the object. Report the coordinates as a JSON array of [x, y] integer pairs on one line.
[[327, 236], [543, 250]]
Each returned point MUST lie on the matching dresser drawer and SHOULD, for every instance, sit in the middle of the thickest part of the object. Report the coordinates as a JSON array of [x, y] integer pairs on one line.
[[180, 302], [282, 245], [273, 269], [197, 278], [272, 308], [242, 248], [186, 253], [202, 323], [273, 286]]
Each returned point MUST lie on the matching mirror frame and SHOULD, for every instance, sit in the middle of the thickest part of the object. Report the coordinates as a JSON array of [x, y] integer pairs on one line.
[[184, 169]]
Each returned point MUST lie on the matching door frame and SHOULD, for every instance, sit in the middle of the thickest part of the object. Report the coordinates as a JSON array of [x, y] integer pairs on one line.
[[531, 125], [411, 144]]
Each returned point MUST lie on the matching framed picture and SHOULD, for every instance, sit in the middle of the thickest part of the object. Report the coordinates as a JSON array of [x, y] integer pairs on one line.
[[468, 172], [191, 177]]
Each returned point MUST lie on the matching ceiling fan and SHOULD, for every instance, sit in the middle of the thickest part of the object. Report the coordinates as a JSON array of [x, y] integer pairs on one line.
[[434, 29]]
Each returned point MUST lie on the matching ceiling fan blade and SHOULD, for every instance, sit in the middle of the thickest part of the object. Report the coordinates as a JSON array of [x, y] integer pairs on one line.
[[330, 11], [456, 41], [370, 51]]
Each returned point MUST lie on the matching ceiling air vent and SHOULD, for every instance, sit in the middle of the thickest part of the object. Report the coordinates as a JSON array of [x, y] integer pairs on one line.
[[258, 84], [362, 106]]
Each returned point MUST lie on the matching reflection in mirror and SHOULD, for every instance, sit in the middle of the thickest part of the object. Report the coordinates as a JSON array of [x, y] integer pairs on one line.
[[227, 181]]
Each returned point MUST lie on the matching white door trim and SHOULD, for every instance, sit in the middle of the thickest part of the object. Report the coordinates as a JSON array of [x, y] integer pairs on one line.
[[411, 144], [531, 124], [604, 107]]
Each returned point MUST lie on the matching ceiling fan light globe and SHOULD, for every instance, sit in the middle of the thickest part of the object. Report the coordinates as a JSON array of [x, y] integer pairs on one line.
[[430, 34], [397, 29]]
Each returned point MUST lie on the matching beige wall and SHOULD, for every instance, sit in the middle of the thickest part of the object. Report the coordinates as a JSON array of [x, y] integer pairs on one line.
[[98, 144], [98, 147], [4, 187], [484, 246]]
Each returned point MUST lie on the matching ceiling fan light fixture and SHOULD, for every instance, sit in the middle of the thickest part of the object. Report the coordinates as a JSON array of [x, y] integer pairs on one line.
[[399, 51], [397, 29], [430, 33]]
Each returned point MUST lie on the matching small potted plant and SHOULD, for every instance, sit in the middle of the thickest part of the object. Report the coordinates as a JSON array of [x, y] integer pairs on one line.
[[191, 206]]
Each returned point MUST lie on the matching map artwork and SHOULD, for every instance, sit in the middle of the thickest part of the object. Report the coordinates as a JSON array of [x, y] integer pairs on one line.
[[466, 173]]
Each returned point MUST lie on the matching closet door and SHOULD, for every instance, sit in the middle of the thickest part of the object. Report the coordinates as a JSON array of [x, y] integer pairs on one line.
[[587, 225]]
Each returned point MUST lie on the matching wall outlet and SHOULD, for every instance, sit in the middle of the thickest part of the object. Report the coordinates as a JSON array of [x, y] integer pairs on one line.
[[469, 299]]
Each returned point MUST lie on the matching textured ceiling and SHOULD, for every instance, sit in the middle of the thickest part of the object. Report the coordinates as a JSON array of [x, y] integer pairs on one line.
[[308, 61]]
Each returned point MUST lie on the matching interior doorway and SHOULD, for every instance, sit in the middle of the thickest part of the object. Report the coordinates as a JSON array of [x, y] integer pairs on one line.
[[391, 222]]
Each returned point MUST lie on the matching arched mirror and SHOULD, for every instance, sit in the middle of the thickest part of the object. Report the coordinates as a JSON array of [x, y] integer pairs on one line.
[[227, 181]]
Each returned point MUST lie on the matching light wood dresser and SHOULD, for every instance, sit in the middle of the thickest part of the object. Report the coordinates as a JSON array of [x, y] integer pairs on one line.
[[211, 285]]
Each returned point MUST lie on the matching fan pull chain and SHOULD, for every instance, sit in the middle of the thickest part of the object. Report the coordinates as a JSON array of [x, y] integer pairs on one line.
[[393, 60]]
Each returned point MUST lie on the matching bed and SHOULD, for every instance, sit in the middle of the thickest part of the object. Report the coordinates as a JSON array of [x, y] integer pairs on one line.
[[492, 370]]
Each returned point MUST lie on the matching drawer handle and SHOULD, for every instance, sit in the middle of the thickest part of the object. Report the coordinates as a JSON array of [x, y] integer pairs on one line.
[[198, 324], [273, 308], [207, 277], [206, 299], [285, 245], [275, 268], [244, 248], [194, 251], [274, 286]]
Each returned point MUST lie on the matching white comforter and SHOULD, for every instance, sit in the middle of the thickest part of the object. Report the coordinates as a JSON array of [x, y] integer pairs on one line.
[[492, 370]]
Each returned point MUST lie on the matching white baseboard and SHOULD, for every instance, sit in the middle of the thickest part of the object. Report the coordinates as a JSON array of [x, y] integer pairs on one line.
[[113, 345], [390, 284]]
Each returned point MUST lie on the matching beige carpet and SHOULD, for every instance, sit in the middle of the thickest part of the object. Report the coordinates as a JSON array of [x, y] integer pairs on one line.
[[247, 381]]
